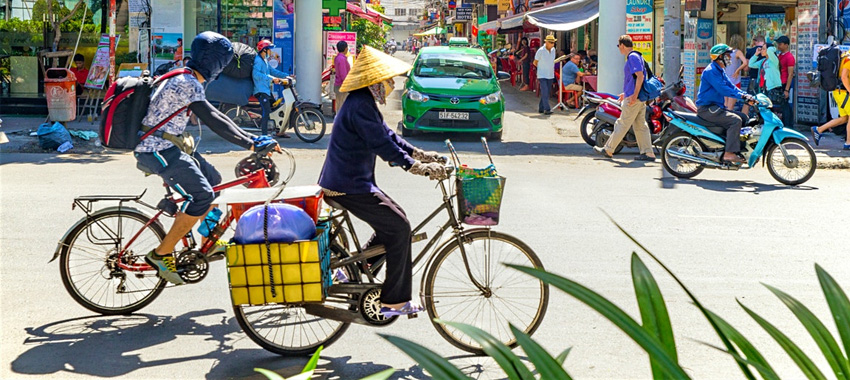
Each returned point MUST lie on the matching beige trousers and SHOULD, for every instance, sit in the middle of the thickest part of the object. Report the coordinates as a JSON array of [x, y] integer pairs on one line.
[[633, 116], [340, 97]]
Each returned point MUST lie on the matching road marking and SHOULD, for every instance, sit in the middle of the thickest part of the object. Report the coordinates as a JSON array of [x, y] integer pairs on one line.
[[733, 217]]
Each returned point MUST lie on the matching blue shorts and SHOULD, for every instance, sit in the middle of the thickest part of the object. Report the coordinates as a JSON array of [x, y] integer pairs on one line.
[[191, 176]]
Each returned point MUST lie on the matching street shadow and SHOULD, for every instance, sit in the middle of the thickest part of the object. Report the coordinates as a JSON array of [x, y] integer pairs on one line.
[[115, 346], [53, 158], [482, 367], [736, 186]]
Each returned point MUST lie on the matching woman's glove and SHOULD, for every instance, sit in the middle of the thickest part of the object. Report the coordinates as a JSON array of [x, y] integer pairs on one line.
[[264, 145], [432, 170], [426, 157]]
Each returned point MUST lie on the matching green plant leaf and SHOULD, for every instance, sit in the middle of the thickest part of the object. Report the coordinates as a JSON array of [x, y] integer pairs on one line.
[[747, 349], [269, 374], [562, 357], [726, 342], [314, 360], [544, 363], [614, 314], [758, 366], [797, 355], [383, 375], [824, 339], [302, 376], [434, 363], [510, 363], [653, 312], [839, 305]]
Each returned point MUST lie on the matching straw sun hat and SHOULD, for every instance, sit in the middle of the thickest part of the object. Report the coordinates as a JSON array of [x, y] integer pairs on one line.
[[372, 66]]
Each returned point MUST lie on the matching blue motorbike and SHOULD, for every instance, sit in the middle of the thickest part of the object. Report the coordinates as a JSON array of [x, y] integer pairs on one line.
[[696, 144]]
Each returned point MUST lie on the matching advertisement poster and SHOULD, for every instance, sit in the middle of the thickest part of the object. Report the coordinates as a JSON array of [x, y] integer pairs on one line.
[[166, 29], [639, 26], [807, 37], [844, 17], [167, 46], [771, 26], [333, 37], [99, 70], [689, 57], [283, 38], [144, 46]]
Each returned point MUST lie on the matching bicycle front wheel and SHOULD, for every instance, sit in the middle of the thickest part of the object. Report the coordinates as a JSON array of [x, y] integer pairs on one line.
[[309, 125], [505, 296], [89, 262]]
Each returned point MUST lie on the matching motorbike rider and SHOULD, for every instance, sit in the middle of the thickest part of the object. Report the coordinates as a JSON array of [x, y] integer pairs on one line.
[[714, 86], [169, 152], [348, 175], [263, 75]]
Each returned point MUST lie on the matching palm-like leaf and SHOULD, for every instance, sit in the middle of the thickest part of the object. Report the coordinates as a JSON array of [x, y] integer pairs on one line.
[[436, 365], [753, 356], [383, 375], [797, 355], [547, 366], [653, 312], [839, 305], [510, 363], [825, 341], [562, 357], [614, 314]]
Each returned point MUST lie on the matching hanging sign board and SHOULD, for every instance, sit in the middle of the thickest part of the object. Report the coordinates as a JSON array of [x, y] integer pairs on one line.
[[99, 70], [463, 13], [639, 26]]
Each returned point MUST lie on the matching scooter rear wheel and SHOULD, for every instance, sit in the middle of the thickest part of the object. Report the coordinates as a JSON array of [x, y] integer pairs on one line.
[[588, 123], [684, 143], [603, 133]]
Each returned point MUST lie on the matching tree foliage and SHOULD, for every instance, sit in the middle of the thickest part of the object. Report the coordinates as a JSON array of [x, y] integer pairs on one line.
[[368, 33]]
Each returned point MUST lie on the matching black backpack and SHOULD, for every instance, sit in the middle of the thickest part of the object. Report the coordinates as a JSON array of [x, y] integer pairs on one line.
[[242, 63], [829, 62], [125, 105]]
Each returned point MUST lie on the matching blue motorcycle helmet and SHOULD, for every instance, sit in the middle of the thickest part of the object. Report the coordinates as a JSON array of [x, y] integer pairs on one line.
[[211, 52]]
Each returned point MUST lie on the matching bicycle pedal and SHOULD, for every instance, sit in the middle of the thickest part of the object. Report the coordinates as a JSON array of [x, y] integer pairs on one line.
[[414, 315]]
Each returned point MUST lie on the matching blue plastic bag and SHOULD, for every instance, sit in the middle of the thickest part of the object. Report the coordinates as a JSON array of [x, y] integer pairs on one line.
[[287, 223], [52, 136], [230, 90]]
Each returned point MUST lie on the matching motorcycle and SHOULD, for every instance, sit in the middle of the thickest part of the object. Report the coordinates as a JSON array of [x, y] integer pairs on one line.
[[591, 101], [698, 144]]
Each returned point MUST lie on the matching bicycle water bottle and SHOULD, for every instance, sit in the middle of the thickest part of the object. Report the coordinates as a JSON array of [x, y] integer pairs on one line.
[[209, 222]]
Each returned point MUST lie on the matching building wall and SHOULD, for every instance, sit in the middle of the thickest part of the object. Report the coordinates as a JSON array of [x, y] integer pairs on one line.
[[405, 15]]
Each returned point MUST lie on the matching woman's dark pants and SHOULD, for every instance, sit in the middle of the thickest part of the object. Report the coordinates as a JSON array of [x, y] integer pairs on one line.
[[266, 103]]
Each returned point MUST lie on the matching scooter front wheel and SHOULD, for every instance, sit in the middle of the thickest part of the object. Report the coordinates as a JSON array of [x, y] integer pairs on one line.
[[683, 143], [309, 125], [792, 161]]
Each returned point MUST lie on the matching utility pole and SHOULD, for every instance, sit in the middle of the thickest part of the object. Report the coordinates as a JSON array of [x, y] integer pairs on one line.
[[672, 40]]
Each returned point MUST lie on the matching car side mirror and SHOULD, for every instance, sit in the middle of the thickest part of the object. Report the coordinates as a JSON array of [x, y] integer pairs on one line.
[[501, 75]]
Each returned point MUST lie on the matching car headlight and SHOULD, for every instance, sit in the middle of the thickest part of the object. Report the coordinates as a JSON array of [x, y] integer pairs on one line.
[[492, 98], [417, 96]]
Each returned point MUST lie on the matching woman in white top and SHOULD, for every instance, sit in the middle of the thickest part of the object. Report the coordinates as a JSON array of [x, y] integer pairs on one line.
[[734, 68]]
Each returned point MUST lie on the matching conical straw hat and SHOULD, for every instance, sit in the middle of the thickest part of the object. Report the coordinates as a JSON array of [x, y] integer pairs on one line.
[[372, 66]]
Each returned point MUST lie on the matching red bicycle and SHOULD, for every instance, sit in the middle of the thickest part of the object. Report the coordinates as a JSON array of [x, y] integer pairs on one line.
[[102, 255]]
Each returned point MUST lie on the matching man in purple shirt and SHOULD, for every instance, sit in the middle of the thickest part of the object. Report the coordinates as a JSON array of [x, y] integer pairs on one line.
[[341, 68], [634, 110]]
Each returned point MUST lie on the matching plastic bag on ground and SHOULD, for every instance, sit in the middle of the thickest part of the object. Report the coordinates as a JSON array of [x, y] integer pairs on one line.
[[52, 136], [286, 224]]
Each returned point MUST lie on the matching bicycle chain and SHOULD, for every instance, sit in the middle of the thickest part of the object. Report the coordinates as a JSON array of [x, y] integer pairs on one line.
[[268, 248]]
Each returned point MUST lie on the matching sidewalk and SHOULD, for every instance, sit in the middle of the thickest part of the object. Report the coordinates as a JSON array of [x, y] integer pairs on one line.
[[829, 153]]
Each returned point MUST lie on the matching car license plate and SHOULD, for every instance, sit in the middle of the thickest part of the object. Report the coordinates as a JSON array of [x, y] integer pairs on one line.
[[454, 115]]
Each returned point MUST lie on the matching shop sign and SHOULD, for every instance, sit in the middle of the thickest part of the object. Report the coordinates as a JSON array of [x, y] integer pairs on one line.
[[694, 5], [491, 2], [771, 26], [464, 13], [808, 97], [504, 5], [639, 26], [689, 57], [843, 12], [283, 35], [350, 38], [99, 70], [333, 6], [452, 4], [331, 22]]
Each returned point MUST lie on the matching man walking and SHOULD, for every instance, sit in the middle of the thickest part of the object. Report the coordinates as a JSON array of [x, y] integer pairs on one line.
[[634, 110], [786, 75], [545, 62]]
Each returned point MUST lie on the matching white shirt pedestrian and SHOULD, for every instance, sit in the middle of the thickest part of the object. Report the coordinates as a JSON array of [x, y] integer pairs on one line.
[[545, 63]]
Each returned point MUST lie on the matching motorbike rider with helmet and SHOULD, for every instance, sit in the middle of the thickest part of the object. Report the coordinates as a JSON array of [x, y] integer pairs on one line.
[[263, 76], [714, 86], [170, 153]]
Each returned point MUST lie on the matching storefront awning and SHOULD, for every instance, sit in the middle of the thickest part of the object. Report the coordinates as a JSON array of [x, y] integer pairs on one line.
[[368, 14], [487, 26], [431, 32], [566, 16]]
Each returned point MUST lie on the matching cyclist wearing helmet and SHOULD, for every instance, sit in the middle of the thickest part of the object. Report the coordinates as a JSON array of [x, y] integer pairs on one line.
[[715, 85], [263, 76], [169, 152]]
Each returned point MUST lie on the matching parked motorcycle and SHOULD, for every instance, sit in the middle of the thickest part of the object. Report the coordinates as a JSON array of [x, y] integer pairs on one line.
[[591, 101], [698, 144], [608, 113]]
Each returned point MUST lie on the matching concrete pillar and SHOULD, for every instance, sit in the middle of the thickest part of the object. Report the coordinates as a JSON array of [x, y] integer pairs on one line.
[[308, 50], [612, 25], [672, 38]]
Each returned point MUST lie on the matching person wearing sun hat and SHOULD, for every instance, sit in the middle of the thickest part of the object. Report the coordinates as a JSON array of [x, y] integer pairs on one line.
[[544, 59], [360, 135]]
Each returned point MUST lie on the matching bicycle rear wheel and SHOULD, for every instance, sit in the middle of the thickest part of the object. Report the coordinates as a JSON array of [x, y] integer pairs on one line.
[[507, 297], [89, 262], [287, 330], [309, 125]]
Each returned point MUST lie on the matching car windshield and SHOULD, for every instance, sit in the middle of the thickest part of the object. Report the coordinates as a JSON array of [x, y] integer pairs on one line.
[[453, 66]]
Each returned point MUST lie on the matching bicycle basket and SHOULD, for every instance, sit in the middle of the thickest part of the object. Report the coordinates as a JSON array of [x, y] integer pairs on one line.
[[479, 194], [299, 272]]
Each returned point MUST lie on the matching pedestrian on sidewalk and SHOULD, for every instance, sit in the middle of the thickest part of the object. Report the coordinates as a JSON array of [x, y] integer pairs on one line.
[[341, 69], [524, 54], [634, 110], [786, 75], [752, 75], [842, 99], [544, 60], [733, 70], [769, 81]]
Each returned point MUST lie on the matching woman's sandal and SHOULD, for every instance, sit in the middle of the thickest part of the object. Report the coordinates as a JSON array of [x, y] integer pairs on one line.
[[408, 309]]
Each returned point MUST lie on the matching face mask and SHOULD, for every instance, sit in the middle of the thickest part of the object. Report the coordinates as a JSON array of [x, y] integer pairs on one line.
[[382, 90]]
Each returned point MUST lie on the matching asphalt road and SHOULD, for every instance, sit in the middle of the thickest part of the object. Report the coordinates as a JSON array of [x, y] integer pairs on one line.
[[723, 234]]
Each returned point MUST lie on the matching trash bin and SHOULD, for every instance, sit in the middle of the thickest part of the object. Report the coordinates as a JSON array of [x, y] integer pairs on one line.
[[59, 87]]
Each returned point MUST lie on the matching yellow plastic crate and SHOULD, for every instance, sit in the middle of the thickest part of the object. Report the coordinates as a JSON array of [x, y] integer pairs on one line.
[[298, 269]]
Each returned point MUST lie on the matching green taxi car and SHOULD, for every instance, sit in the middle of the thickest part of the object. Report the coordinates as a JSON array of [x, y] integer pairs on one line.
[[453, 89]]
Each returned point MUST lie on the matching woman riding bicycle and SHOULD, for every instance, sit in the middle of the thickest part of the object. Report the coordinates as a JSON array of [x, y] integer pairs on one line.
[[348, 176], [170, 153]]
